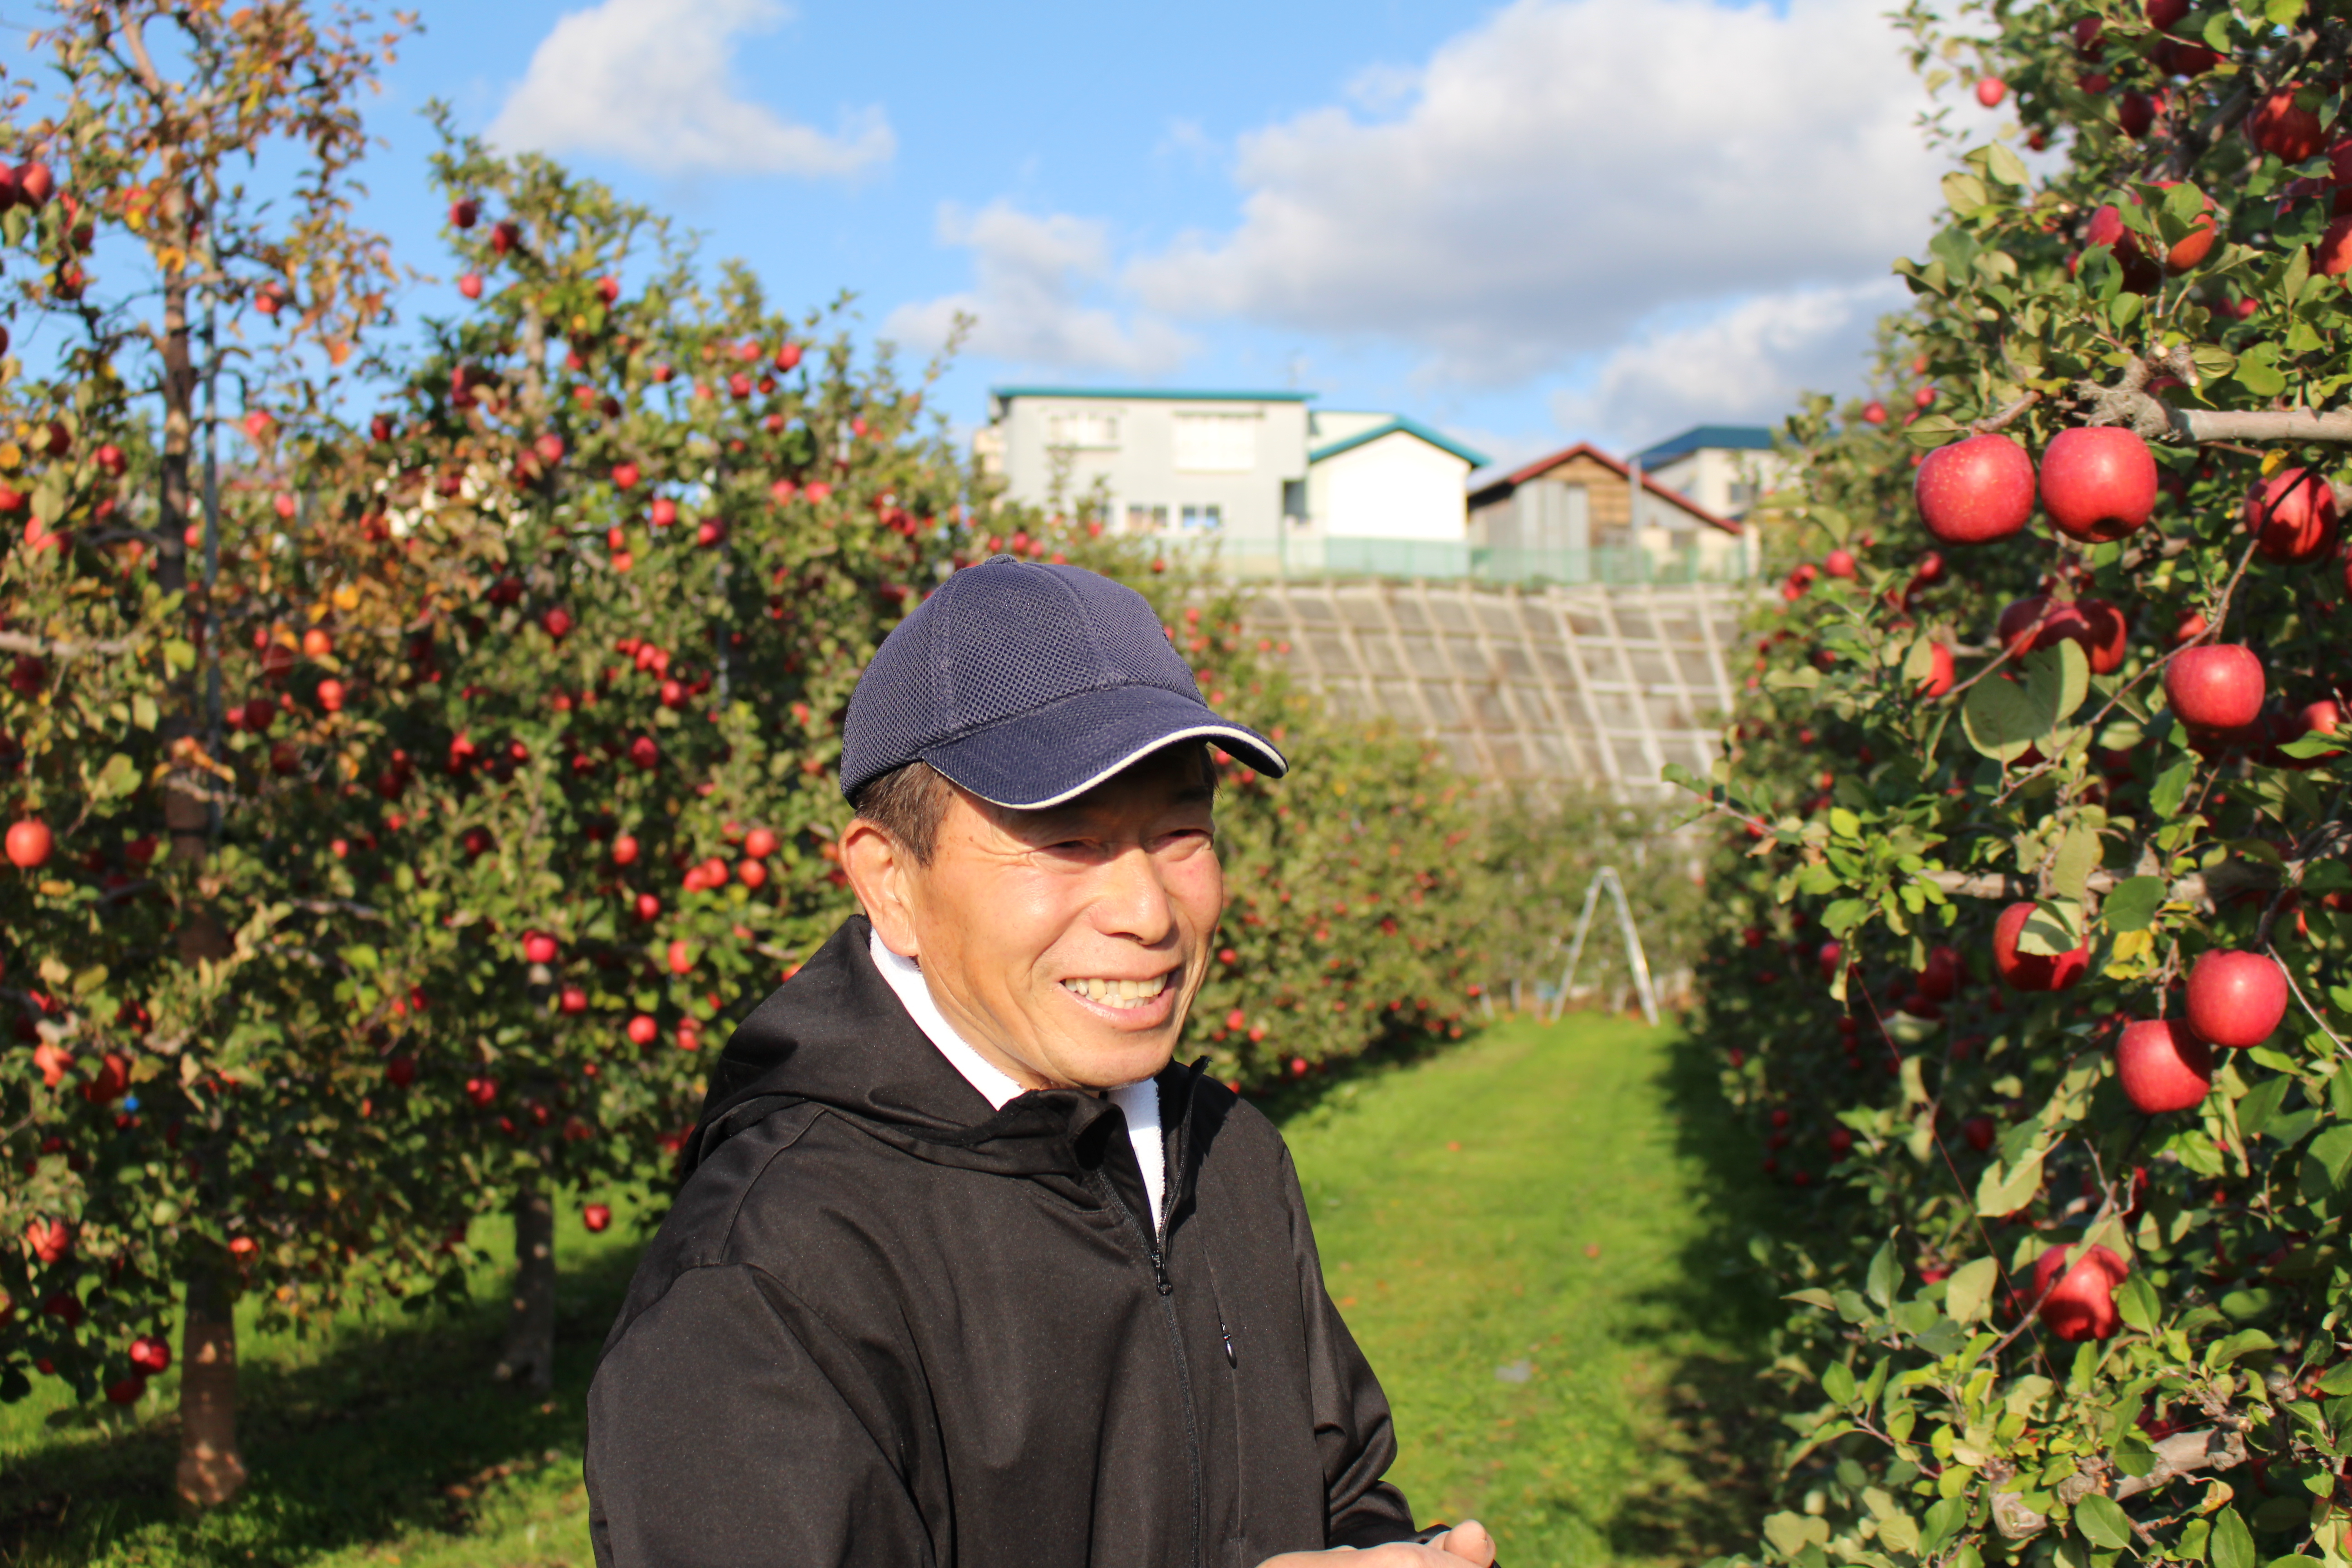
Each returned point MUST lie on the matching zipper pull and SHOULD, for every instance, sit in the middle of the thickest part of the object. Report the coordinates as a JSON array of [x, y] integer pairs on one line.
[[1160, 1271], [1226, 1334]]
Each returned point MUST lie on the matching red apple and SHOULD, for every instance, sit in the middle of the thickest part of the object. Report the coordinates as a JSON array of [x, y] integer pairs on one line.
[[470, 285], [1990, 91], [550, 448], [2163, 1065], [2285, 132], [624, 849], [34, 183], [1978, 1133], [2033, 971], [1941, 672], [665, 512], [2188, 628], [596, 1216], [1874, 411], [2094, 625], [2215, 686], [2292, 516], [400, 1071], [1838, 564], [1941, 977], [625, 476], [2324, 717], [51, 1240], [504, 237], [29, 843], [573, 999], [759, 844], [680, 956], [2331, 254], [558, 621], [2236, 998], [752, 874], [331, 695], [126, 1390], [643, 1030], [1976, 491], [463, 213], [537, 947], [2080, 1304], [2098, 483], [788, 356], [150, 1355]]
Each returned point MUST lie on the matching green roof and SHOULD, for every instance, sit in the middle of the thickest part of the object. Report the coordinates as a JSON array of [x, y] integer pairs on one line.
[[1409, 427], [1165, 394]]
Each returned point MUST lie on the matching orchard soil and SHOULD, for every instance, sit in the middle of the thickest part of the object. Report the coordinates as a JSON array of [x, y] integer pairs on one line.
[[1538, 1234]]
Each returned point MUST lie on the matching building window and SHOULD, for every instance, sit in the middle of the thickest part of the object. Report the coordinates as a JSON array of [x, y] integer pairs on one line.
[[1216, 443], [1553, 516], [1742, 496], [1203, 516], [1082, 428], [1293, 500], [1142, 519]]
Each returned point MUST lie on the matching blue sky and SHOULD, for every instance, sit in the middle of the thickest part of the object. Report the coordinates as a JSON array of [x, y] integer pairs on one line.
[[1528, 224]]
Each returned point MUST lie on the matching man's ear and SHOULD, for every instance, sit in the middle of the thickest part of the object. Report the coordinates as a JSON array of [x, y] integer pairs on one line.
[[878, 870]]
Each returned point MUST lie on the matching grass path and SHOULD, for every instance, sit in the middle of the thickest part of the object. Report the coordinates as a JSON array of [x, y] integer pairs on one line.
[[1535, 1250], [1531, 1236]]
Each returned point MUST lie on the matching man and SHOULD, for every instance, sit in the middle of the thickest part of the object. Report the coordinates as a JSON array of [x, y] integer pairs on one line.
[[964, 1273]]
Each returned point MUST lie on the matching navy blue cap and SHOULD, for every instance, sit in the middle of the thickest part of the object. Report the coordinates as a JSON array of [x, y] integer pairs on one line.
[[1029, 685]]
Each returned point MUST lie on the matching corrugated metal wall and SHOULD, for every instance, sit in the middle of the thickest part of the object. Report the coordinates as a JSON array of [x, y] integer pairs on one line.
[[1596, 685]]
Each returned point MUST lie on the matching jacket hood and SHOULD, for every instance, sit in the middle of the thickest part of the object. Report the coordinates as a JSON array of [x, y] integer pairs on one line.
[[836, 1035]]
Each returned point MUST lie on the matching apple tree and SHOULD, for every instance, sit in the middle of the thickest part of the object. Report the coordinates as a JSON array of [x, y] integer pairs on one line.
[[178, 1122], [2030, 966]]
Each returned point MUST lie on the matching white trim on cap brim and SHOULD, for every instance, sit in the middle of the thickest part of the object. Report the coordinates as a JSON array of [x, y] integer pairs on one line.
[[1197, 733]]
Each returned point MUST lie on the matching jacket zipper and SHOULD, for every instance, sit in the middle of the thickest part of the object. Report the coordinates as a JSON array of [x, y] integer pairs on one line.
[[1153, 1247]]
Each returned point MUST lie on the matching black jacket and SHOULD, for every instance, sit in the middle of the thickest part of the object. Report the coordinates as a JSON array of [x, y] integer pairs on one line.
[[886, 1326]]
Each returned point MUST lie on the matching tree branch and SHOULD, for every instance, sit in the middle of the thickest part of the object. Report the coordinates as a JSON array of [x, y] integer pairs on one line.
[[42, 647]]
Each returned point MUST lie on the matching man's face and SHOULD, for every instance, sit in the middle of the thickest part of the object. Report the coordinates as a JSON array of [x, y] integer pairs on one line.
[[1064, 944]]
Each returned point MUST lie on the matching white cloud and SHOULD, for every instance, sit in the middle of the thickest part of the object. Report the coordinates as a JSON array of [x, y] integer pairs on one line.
[[1032, 275], [647, 81], [1743, 365], [1557, 175]]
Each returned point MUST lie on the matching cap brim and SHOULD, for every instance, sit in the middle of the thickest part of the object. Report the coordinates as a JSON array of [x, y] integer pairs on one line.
[[1058, 752]]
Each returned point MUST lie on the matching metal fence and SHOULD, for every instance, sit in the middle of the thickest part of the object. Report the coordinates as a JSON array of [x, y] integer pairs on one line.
[[1247, 557], [1592, 684]]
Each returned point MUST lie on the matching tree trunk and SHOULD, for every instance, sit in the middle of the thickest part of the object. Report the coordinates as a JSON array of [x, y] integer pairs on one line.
[[530, 1357], [210, 1472], [174, 501]]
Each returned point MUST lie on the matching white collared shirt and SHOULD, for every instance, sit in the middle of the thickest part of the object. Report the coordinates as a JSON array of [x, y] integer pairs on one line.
[[1139, 1101]]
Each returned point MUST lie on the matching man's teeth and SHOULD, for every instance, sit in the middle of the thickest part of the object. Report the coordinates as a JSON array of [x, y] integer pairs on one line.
[[1120, 993]]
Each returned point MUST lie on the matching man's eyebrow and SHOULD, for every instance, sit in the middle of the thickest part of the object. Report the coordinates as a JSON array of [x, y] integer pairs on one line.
[[1196, 794]]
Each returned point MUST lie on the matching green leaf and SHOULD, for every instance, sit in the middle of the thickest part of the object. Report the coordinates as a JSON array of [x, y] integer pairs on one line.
[[2279, 13], [2233, 1544], [359, 956], [2058, 677], [2261, 1104], [2136, 1303], [2104, 1522], [1965, 192], [2258, 371], [1791, 1533], [2078, 857], [1844, 824], [119, 777], [1837, 1381], [2133, 905], [2000, 719], [1826, 1303], [143, 714], [2172, 787], [1999, 1193], [1969, 1290], [2055, 927], [1943, 1522], [1932, 430], [2008, 169], [1885, 1277], [2325, 1163]]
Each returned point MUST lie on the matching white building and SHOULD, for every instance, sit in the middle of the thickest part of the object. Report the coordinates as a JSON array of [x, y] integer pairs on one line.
[[1231, 465], [1723, 467], [1384, 476]]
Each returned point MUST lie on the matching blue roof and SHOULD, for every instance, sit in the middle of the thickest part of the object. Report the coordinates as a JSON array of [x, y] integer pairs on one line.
[[1409, 427], [1006, 393], [1732, 438]]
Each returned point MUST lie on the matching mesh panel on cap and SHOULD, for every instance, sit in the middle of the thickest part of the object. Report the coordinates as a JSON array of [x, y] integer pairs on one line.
[[1007, 644], [1127, 633], [893, 707]]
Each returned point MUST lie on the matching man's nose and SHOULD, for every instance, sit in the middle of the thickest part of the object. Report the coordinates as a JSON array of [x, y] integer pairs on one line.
[[1132, 900]]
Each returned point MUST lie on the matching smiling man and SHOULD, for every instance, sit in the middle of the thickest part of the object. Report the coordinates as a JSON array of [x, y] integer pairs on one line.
[[965, 1274]]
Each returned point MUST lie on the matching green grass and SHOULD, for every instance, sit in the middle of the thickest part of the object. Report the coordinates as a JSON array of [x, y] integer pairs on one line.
[[385, 1443], [1563, 1204]]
